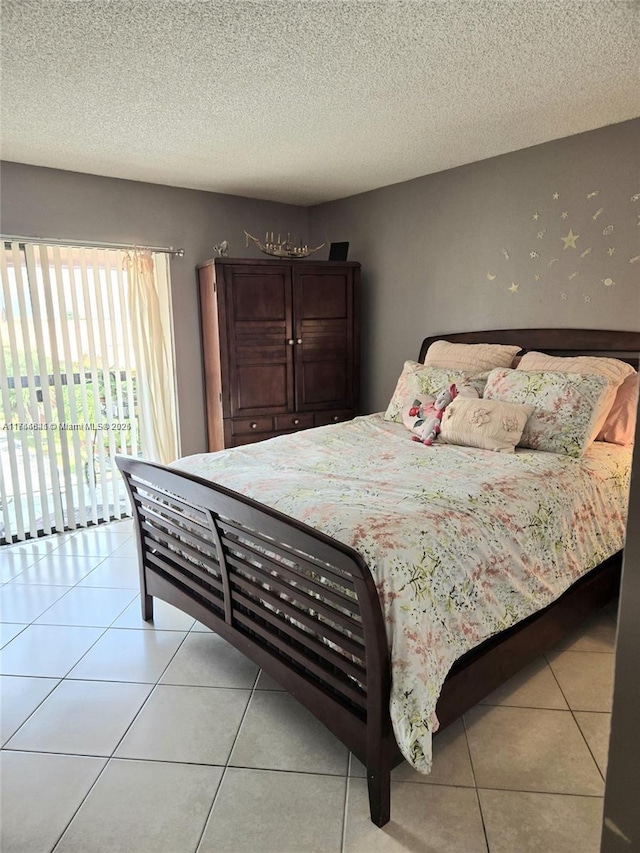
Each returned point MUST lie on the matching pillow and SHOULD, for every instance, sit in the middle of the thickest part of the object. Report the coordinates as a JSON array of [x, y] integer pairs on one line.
[[568, 406], [471, 357], [619, 427], [613, 369], [416, 380], [488, 424]]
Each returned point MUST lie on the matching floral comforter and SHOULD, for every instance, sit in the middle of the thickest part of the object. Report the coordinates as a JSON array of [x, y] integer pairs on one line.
[[462, 543]]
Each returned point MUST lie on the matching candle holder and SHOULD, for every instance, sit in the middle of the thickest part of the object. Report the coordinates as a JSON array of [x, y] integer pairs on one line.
[[282, 248]]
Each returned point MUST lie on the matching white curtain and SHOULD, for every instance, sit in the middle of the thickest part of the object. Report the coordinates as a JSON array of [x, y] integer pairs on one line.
[[150, 319]]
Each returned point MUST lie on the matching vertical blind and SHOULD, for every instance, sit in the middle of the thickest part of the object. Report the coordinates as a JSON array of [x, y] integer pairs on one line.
[[69, 387]]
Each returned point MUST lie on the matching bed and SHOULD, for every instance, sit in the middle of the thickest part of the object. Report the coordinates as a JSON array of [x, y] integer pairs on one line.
[[319, 617]]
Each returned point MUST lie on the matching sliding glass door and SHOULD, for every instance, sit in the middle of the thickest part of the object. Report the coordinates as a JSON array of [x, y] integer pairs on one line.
[[68, 388]]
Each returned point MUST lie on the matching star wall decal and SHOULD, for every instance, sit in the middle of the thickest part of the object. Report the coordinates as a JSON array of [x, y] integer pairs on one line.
[[635, 197], [563, 296], [536, 216], [593, 194], [542, 233], [514, 287], [611, 251], [556, 196], [608, 282], [534, 255], [564, 214], [586, 297], [552, 262], [634, 259], [570, 240], [537, 276]]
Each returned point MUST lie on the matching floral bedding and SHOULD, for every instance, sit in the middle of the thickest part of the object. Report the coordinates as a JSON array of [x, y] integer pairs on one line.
[[462, 542]]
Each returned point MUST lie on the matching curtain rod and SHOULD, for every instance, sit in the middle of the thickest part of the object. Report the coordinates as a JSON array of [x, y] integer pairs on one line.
[[89, 244]]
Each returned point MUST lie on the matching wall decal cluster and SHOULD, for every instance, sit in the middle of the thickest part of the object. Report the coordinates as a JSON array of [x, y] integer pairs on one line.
[[570, 247]]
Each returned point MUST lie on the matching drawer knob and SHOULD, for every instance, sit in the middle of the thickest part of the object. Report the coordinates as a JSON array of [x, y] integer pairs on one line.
[[299, 341], [336, 418], [254, 425], [296, 421], [291, 342]]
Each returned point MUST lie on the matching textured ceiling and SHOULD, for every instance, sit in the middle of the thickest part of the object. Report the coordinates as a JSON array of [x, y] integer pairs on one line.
[[304, 101]]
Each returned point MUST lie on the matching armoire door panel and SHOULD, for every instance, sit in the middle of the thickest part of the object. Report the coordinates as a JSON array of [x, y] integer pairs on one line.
[[260, 388], [323, 384], [260, 296], [322, 295]]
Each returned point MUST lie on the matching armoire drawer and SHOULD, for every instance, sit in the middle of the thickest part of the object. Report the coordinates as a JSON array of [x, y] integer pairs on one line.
[[326, 418], [248, 426], [295, 420]]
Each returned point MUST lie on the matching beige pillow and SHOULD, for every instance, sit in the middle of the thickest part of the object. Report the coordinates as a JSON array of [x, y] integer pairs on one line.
[[614, 371], [472, 357], [488, 424]]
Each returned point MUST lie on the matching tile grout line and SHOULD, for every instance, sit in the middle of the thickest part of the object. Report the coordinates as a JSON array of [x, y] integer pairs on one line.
[[579, 727], [345, 807], [475, 783], [226, 766]]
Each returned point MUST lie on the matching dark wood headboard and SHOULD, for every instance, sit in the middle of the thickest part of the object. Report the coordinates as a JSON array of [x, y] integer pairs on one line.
[[602, 342]]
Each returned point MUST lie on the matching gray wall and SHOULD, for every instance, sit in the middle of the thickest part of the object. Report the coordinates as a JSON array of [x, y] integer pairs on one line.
[[426, 247], [49, 203]]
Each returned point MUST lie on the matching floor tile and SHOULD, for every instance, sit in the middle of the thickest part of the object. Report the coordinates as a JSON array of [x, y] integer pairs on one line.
[[39, 797], [127, 549], [200, 628], [129, 656], [451, 762], [424, 819], [88, 606], [144, 806], [206, 660], [24, 603], [278, 733], [19, 697], [278, 801], [529, 823], [586, 678], [597, 634], [47, 650], [59, 570], [186, 724], [166, 617], [41, 545], [81, 718], [265, 682], [12, 564], [98, 542], [530, 749], [533, 687], [124, 526], [9, 630], [118, 573], [596, 729]]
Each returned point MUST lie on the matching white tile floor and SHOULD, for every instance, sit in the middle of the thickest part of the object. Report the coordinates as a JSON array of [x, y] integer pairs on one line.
[[121, 736]]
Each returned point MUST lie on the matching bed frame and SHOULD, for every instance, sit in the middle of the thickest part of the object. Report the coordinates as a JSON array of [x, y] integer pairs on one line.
[[304, 607]]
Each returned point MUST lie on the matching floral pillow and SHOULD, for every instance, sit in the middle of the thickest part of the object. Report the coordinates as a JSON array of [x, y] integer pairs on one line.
[[416, 381], [567, 406], [487, 424]]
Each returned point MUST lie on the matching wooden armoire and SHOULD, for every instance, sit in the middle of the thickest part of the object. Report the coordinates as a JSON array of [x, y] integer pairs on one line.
[[281, 344]]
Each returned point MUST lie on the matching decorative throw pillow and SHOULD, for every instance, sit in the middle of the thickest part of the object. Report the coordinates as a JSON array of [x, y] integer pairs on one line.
[[488, 424], [620, 425], [472, 357], [416, 380], [614, 370], [568, 406]]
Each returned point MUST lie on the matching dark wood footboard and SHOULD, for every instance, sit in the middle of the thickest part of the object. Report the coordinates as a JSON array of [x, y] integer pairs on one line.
[[304, 607], [299, 604]]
